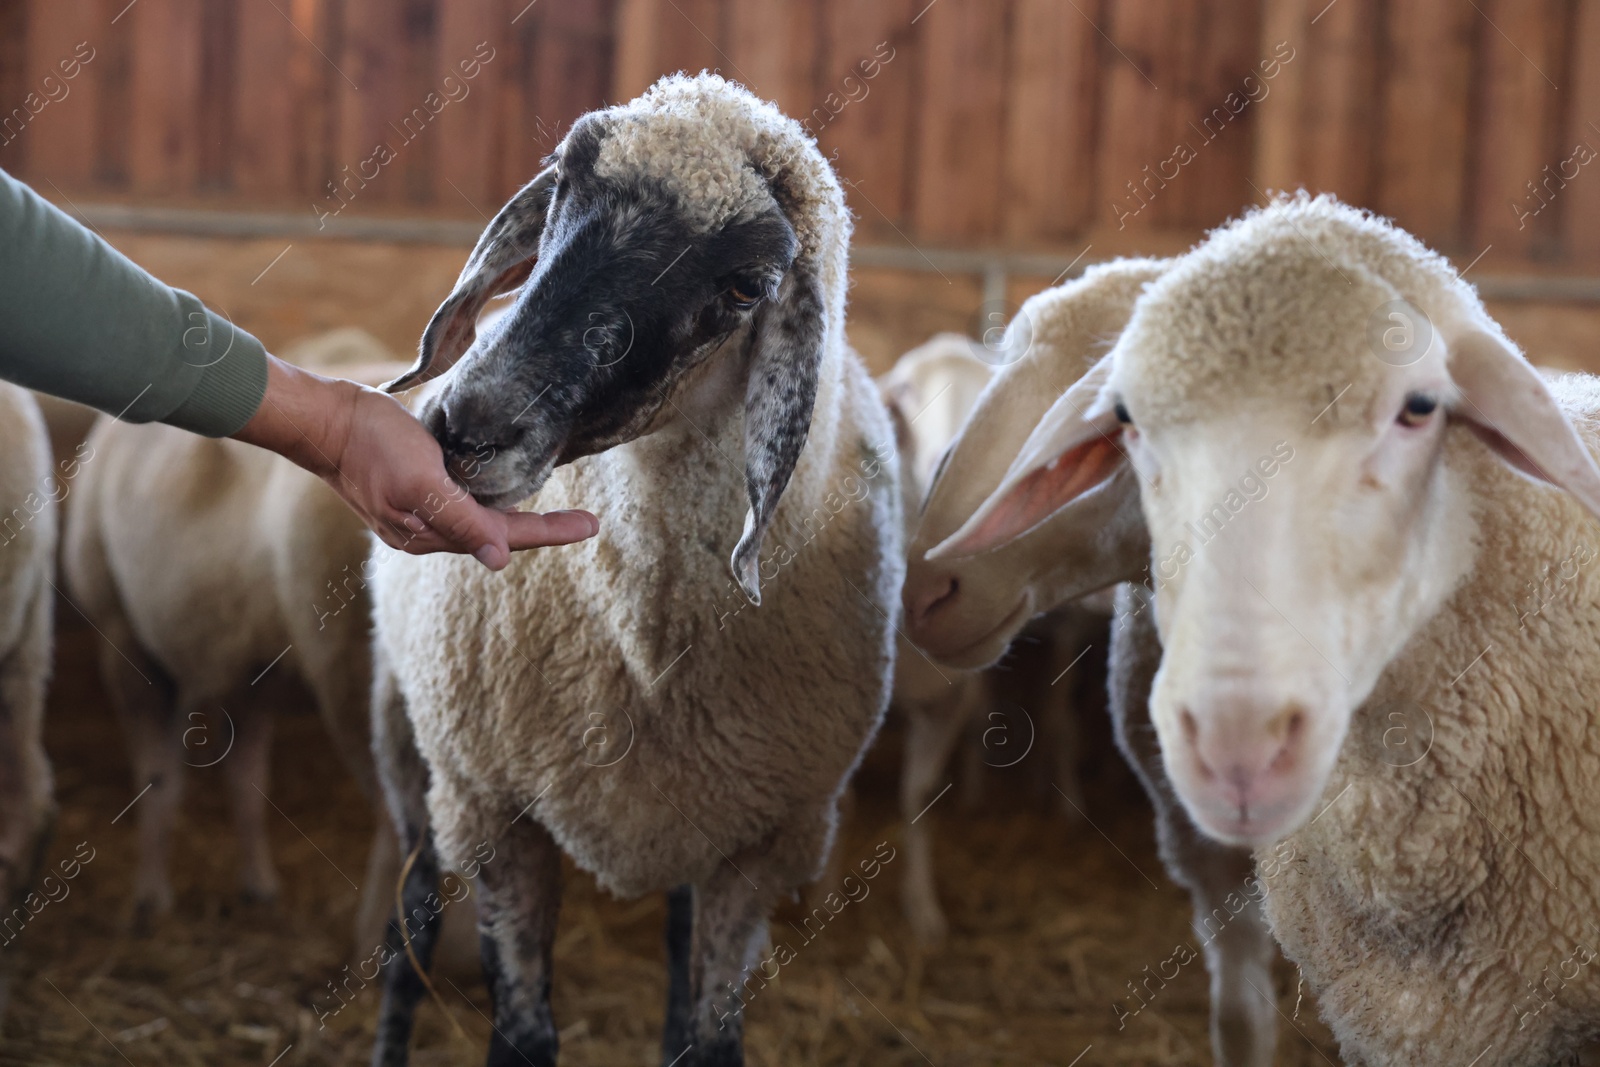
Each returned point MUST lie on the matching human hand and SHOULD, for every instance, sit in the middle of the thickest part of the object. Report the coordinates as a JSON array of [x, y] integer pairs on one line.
[[389, 469]]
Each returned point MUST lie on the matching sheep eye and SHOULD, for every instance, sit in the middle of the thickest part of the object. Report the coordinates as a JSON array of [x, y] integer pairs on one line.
[[1417, 408], [1122, 414], [744, 294]]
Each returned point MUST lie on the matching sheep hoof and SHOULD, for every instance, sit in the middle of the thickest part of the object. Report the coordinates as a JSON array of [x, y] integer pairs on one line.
[[259, 896], [148, 911], [928, 923]]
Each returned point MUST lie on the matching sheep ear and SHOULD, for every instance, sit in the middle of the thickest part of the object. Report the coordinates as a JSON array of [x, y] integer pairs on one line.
[[502, 260], [782, 390], [1507, 404], [1072, 451]]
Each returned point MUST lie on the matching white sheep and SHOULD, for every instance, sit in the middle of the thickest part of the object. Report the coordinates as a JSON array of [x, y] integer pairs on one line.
[[1340, 457], [966, 611], [226, 582], [675, 360], [29, 491], [929, 393]]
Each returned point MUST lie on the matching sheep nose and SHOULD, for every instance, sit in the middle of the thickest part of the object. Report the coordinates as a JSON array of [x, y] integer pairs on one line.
[[927, 598], [1245, 760], [461, 432]]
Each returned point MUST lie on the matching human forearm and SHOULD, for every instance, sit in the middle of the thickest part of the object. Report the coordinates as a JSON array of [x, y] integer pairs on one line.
[[81, 321]]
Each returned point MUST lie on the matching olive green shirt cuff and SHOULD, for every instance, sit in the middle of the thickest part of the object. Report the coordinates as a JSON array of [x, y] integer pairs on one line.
[[81, 321]]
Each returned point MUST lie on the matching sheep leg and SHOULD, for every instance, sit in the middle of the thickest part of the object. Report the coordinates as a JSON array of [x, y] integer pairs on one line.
[[143, 698], [25, 785], [519, 899], [1064, 695], [676, 1035], [1239, 948], [710, 966], [248, 781], [415, 930], [377, 888], [932, 731]]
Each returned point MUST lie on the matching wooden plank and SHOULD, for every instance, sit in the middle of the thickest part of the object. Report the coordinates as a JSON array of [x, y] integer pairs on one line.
[[1339, 108], [317, 84], [1133, 141], [1580, 201], [634, 67], [1278, 128], [164, 153], [266, 122], [17, 111], [571, 67], [957, 190], [1227, 79], [472, 54], [1423, 158], [424, 100], [1052, 95], [1520, 44], [690, 38], [219, 67], [112, 76], [524, 135], [60, 56], [374, 105], [870, 139], [773, 48]]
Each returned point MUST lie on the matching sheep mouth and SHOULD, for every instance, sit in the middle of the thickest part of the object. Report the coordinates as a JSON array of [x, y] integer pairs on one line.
[[519, 478], [1258, 826], [980, 652]]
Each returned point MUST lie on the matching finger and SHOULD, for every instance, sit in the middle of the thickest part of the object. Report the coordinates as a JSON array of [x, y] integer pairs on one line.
[[464, 525], [527, 529]]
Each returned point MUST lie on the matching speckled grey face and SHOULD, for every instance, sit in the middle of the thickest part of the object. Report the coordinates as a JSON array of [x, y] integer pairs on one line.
[[623, 290]]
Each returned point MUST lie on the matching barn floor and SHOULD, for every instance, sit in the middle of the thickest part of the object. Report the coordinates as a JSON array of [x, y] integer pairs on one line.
[[1049, 921]]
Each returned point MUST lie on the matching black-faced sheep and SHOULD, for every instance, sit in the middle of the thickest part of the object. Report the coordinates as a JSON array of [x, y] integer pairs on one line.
[[675, 361]]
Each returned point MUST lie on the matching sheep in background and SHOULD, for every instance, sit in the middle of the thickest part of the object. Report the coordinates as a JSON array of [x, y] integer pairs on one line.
[[930, 392], [29, 489], [684, 260], [966, 611], [1438, 887], [221, 578], [226, 582]]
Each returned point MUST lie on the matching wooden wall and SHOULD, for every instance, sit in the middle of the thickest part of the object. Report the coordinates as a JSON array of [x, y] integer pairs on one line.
[[983, 123]]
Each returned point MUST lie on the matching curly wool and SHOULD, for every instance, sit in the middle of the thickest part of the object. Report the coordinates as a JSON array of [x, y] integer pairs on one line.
[[1439, 905], [1328, 271], [621, 692], [756, 154]]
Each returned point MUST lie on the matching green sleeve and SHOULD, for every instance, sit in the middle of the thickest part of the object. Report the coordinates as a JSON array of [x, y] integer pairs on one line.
[[80, 320]]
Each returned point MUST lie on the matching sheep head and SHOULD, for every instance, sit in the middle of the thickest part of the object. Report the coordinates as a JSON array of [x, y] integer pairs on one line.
[[965, 611], [1303, 519], [666, 232]]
